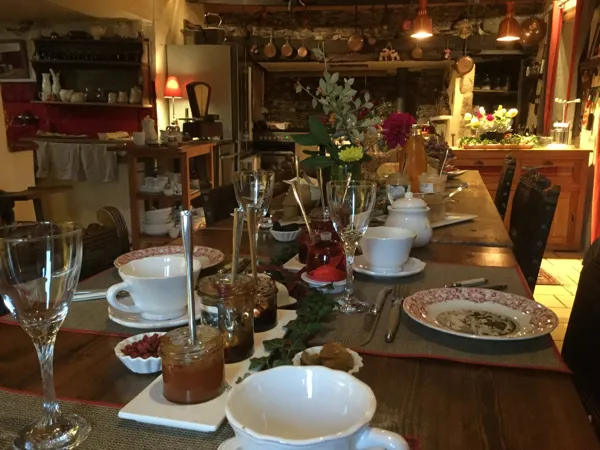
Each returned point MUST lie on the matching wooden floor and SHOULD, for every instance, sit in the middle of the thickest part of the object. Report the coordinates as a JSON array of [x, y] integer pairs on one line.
[[565, 267]]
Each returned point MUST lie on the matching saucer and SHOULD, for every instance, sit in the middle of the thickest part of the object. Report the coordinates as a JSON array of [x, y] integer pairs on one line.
[[411, 266], [230, 444], [338, 286], [135, 320]]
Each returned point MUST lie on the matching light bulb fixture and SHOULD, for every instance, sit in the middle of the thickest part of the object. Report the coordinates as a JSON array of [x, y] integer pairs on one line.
[[172, 91], [509, 29], [422, 25]]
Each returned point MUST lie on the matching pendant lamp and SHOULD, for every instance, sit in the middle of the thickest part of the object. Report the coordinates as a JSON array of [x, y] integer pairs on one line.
[[422, 25], [509, 29]]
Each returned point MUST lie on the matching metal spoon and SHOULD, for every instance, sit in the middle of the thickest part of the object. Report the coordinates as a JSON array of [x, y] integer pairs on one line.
[[186, 235], [304, 216]]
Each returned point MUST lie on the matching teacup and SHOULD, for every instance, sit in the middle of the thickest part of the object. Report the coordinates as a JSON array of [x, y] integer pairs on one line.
[[387, 248], [157, 286], [308, 408]]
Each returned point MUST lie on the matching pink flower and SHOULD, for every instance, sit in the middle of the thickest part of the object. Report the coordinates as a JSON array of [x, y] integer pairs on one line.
[[396, 129], [479, 115], [490, 117]]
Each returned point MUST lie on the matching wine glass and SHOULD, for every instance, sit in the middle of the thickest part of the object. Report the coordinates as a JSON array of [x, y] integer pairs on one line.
[[254, 189], [39, 270], [350, 205]]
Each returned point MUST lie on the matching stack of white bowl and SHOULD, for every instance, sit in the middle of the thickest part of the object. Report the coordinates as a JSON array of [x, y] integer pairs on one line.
[[158, 222]]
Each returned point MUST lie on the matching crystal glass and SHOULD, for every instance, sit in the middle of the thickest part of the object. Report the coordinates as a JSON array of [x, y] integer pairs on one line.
[[350, 205], [39, 270]]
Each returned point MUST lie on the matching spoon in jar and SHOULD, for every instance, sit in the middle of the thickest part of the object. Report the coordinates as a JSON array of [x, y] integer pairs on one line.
[[188, 250]]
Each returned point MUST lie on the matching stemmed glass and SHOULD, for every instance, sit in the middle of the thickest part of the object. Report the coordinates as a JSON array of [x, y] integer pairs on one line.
[[350, 206], [39, 270], [252, 190]]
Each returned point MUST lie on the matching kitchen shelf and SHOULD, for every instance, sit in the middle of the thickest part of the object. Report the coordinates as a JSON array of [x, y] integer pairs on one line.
[[172, 198], [82, 62], [440, 118], [383, 66], [494, 91], [91, 41], [112, 105]]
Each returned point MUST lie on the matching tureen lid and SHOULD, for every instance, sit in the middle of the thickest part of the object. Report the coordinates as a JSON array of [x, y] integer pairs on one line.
[[409, 202]]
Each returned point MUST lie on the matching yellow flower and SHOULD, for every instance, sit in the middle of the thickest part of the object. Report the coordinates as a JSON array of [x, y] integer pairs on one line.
[[350, 154], [512, 112], [468, 117], [475, 123]]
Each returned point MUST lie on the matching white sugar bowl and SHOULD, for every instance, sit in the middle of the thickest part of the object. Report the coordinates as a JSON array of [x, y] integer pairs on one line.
[[413, 214]]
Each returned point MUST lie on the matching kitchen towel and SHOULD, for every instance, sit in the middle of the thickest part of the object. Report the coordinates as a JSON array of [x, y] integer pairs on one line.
[[99, 164]]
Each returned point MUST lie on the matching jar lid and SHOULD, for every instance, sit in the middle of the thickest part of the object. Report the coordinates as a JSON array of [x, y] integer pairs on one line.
[[220, 285], [177, 340], [409, 202]]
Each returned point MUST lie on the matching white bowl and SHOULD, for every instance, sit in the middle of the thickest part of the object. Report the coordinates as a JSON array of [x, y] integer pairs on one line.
[[328, 288], [387, 248], [285, 236], [157, 229], [158, 220], [358, 362], [308, 407], [139, 365], [164, 212]]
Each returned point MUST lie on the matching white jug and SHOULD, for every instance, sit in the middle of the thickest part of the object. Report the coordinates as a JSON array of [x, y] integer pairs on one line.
[[413, 214], [149, 129]]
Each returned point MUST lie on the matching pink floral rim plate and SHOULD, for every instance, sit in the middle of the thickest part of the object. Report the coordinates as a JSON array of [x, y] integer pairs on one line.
[[480, 313], [209, 257]]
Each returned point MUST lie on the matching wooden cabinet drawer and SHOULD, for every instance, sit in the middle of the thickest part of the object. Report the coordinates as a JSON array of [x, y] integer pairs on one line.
[[473, 162], [554, 170]]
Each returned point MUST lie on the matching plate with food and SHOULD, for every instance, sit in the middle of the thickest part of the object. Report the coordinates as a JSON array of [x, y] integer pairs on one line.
[[332, 355], [480, 313]]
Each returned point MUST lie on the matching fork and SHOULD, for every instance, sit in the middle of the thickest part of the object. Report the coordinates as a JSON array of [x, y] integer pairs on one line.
[[400, 292]]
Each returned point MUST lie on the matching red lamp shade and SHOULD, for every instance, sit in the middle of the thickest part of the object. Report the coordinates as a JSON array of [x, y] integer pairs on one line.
[[172, 88], [509, 29], [422, 25]]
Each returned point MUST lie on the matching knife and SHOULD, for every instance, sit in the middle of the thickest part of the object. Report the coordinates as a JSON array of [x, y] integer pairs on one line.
[[497, 287], [374, 314], [394, 319], [468, 283], [93, 294]]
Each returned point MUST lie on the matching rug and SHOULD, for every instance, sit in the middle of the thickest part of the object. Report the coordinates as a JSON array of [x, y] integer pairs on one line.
[[545, 279]]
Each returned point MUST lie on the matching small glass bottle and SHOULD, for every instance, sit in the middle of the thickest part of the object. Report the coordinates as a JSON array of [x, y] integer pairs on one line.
[[416, 158], [230, 307], [265, 304], [192, 374], [320, 220], [326, 260]]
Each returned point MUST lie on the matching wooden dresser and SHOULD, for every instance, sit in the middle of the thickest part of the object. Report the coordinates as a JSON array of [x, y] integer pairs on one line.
[[566, 168]]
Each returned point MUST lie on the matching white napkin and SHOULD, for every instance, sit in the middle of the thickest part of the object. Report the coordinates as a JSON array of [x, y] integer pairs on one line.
[[99, 164]]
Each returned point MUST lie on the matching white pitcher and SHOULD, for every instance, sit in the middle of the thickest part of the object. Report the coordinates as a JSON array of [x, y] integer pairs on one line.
[[46, 93], [413, 214], [56, 87]]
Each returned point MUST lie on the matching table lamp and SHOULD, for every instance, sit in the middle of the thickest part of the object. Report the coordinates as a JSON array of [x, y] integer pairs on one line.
[[172, 91]]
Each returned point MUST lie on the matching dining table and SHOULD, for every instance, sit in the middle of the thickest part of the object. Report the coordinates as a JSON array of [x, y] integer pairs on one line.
[[440, 402]]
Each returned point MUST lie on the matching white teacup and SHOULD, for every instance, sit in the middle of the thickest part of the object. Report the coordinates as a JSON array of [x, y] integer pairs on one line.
[[387, 248], [157, 287], [308, 408]]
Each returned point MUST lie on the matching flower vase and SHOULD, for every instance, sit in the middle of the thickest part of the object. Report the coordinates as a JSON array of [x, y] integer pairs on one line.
[[339, 172], [46, 93]]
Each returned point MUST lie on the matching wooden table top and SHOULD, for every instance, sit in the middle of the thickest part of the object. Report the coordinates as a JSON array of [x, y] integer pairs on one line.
[[486, 230], [447, 405]]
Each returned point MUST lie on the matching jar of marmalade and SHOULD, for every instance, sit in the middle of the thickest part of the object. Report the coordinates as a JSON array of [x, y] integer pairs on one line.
[[192, 373], [230, 307]]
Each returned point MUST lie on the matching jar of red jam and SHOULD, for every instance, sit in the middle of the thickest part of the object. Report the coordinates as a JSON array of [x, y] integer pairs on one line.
[[320, 221], [265, 304], [326, 260], [192, 373]]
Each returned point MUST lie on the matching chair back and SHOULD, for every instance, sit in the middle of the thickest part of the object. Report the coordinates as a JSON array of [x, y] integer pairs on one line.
[[533, 209], [582, 339], [504, 185], [219, 203]]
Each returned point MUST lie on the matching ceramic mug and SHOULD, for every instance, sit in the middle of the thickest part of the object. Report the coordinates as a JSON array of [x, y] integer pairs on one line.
[[157, 286], [112, 97], [122, 97], [139, 138], [309, 407], [77, 97], [387, 248], [65, 94]]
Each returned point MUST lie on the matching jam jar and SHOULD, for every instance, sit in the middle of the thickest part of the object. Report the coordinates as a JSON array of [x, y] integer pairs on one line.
[[320, 220], [265, 304], [326, 260], [192, 373], [230, 307]]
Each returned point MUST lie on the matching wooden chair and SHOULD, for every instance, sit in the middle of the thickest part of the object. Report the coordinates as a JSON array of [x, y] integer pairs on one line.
[[582, 339], [504, 185], [533, 209], [218, 203]]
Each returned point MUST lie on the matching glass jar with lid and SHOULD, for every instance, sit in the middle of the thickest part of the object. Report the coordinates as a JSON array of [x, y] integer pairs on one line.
[[320, 221], [326, 260], [192, 373], [265, 304], [230, 307]]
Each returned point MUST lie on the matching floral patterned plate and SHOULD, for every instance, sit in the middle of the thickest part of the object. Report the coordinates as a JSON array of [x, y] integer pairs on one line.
[[480, 313], [209, 257]]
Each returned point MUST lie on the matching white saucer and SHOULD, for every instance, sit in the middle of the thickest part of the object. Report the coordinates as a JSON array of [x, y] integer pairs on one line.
[[230, 444], [135, 320], [338, 286], [411, 267]]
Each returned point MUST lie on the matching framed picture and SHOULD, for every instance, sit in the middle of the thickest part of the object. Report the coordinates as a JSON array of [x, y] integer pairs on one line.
[[13, 60], [593, 48]]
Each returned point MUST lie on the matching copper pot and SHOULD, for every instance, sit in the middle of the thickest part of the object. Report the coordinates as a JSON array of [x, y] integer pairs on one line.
[[533, 31], [287, 49], [270, 51], [465, 63]]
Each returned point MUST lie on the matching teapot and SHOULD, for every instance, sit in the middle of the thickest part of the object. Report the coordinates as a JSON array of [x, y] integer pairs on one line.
[[412, 214], [65, 94]]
